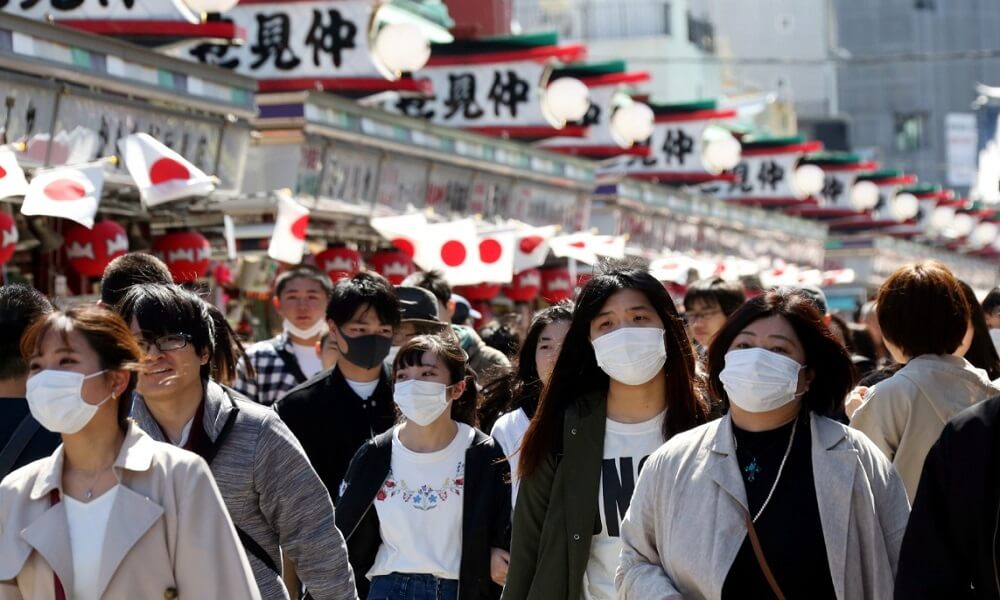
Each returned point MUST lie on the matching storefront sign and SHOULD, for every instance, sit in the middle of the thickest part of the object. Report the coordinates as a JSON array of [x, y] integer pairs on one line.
[[139, 10]]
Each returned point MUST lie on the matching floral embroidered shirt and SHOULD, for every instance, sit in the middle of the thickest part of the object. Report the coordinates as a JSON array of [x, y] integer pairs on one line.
[[420, 509]]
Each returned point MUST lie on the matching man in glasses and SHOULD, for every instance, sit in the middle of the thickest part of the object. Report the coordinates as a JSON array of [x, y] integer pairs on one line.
[[285, 361], [707, 305]]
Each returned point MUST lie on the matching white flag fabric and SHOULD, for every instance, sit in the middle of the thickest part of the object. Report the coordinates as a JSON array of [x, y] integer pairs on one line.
[[532, 246], [496, 254], [288, 242], [12, 181], [451, 248], [161, 174], [403, 231], [71, 192], [587, 247]]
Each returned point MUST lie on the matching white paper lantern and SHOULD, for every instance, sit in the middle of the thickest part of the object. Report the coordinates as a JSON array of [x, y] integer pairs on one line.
[[401, 48], [904, 207], [984, 234], [565, 100], [632, 123], [864, 195], [808, 181], [941, 218], [963, 224], [721, 151], [211, 6]]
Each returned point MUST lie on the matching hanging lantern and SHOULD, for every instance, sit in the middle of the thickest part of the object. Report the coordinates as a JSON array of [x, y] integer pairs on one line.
[[186, 254], [392, 264], [864, 195], [8, 237], [565, 100], [482, 292], [632, 123], [721, 151], [557, 285], [525, 286], [211, 6], [808, 181], [339, 262], [90, 250], [904, 207], [400, 48]]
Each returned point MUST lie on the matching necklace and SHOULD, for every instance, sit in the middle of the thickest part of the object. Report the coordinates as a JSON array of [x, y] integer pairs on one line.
[[89, 488], [753, 469]]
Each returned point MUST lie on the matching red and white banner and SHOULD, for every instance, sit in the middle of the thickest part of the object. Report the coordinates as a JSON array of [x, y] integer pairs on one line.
[[161, 174], [116, 10], [765, 174], [288, 241], [72, 193], [532, 246], [12, 181], [8, 237], [587, 247]]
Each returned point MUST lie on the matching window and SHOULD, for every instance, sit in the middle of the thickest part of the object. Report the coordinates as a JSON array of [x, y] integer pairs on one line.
[[910, 131]]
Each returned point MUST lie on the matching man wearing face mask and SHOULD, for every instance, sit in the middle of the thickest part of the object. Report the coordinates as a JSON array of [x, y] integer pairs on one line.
[[333, 414], [285, 361]]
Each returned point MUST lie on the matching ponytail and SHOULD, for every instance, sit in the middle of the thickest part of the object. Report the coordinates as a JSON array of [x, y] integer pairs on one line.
[[463, 409]]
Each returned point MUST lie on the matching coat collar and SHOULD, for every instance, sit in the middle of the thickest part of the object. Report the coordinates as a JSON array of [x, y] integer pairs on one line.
[[218, 407]]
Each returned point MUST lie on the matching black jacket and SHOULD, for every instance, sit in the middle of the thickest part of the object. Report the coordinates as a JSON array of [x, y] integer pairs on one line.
[[485, 511], [950, 546], [332, 422]]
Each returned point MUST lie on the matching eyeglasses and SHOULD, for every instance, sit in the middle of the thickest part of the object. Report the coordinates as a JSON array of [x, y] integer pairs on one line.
[[165, 343], [691, 317]]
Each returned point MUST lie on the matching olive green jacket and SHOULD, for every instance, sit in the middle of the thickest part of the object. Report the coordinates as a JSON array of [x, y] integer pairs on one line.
[[556, 511]]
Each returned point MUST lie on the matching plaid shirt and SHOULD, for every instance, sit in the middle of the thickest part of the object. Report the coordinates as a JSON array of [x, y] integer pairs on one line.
[[273, 379]]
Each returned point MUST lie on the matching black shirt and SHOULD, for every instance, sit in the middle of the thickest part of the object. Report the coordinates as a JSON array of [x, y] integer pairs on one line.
[[790, 531], [42, 444], [331, 421]]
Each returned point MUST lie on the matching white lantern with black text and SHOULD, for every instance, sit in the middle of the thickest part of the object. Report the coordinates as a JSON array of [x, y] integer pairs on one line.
[[721, 150], [631, 123], [565, 100], [864, 195], [808, 181], [401, 48], [904, 207], [211, 6]]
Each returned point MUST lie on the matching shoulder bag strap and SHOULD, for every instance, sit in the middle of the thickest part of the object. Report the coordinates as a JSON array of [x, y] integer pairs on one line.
[[60, 592], [291, 363], [17, 443], [254, 548], [761, 561]]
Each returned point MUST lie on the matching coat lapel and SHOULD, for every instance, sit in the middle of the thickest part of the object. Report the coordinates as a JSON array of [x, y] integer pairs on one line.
[[724, 469], [132, 516], [730, 528], [583, 446], [49, 536], [834, 465]]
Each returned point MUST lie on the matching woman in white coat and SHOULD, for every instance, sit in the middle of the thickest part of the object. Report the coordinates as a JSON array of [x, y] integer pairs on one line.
[[774, 499]]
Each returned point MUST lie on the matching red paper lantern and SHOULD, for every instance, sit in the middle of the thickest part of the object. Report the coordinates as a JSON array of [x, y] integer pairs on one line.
[[583, 278], [482, 292], [8, 237], [392, 264], [90, 250], [557, 285], [186, 254], [525, 286], [339, 262]]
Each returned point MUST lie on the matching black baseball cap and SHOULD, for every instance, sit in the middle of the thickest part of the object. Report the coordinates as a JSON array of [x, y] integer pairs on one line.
[[417, 305]]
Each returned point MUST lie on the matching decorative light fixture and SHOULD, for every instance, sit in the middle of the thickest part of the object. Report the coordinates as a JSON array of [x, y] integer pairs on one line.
[[904, 207], [984, 234], [400, 48], [565, 100], [963, 224], [632, 122], [211, 6], [720, 150], [808, 180], [942, 217], [864, 195]]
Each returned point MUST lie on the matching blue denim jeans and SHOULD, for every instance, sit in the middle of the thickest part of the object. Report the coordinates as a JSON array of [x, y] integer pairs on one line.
[[412, 586]]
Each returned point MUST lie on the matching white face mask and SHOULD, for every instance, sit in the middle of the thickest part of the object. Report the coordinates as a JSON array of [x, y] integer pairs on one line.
[[318, 328], [758, 380], [631, 355], [421, 401], [391, 357], [55, 399]]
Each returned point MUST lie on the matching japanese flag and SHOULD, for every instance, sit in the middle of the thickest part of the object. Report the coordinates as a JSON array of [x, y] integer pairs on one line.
[[496, 252], [66, 192], [288, 241], [452, 248], [531, 247], [587, 247], [161, 174], [12, 181], [403, 231]]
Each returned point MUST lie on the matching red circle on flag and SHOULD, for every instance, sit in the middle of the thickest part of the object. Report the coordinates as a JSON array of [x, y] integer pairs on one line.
[[299, 227], [490, 251], [578, 245], [453, 253], [528, 244], [3, 173], [405, 246], [65, 190], [167, 169]]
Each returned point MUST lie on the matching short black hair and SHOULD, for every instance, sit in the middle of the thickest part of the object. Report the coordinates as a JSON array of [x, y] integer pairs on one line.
[[302, 272], [365, 288], [432, 281], [917, 295], [133, 268], [20, 306], [501, 336], [992, 301], [715, 291]]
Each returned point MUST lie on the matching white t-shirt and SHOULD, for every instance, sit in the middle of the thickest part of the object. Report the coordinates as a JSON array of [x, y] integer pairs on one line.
[[364, 389], [307, 358], [88, 525], [626, 448], [509, 432], [420, 509]]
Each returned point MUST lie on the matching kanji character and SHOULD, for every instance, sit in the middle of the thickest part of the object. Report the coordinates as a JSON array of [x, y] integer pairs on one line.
[[677, 146], [462, 96], [741, 182], [415, 107], [508, 93], [214, 54], [832, 190], [273, 38], [592, 116], [770, 174], [332, 38]]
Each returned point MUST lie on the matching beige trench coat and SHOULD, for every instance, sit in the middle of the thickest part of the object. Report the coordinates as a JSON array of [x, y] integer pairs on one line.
[[169, 535]]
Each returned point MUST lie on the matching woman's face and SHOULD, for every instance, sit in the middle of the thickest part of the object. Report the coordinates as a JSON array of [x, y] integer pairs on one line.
[[547, 349], [70, 351], [625, 308], [431, 368], [775, 334], [164, 372]]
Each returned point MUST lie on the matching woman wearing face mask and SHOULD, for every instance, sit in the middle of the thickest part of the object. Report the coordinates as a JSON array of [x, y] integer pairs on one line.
[[110, 514], [425, 505], [622, 384], [277, 502], [774, 499]]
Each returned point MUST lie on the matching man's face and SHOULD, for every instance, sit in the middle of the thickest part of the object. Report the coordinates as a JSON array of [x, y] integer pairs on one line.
[[409, 329], [704, 321], [302, 301], [993, 319], [364, 322]]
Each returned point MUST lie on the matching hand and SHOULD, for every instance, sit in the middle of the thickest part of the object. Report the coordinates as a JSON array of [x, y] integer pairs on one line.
[[499, 562], [854, 400]]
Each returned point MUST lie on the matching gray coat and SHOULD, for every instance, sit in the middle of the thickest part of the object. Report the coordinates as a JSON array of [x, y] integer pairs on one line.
[[273, 494], [686, 521]]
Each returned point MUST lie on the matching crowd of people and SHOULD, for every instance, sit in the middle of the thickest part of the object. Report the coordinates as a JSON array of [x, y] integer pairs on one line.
[[623, 445]]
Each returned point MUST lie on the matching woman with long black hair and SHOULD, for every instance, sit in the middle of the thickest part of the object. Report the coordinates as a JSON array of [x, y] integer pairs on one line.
[[622, 385]]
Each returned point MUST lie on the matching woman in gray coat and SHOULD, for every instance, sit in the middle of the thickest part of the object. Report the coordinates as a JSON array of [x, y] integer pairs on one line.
[[774, 499]]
